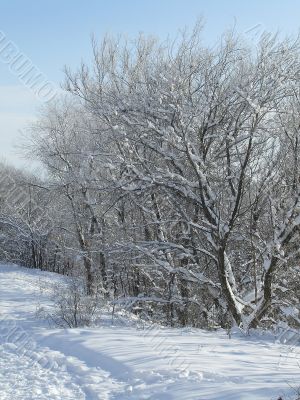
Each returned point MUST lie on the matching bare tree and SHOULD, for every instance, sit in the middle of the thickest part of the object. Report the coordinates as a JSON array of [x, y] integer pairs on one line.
[[202, 133]]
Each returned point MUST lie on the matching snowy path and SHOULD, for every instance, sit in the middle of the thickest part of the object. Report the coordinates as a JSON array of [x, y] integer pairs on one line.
[[120, 363], [23, 378]]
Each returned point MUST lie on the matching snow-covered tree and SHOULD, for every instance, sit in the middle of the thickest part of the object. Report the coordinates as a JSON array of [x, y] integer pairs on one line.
[[205, 142]]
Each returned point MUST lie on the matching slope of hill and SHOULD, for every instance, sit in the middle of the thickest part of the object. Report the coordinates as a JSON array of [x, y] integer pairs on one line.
[[117, 361]]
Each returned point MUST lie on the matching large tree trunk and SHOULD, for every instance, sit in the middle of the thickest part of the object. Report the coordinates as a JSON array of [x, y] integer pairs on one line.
[[266, 300], [227, 286], [89, 275]]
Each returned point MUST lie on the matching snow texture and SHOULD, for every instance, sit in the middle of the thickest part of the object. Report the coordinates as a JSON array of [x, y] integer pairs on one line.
[[123, 361]]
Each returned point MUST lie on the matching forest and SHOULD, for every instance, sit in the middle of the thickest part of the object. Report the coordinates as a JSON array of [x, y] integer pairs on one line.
[[169, 180]]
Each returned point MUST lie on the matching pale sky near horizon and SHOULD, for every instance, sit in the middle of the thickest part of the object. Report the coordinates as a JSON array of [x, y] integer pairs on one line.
[[54, 33]]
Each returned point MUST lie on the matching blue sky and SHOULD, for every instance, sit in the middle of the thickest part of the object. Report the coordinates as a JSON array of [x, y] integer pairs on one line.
[[54, 33]]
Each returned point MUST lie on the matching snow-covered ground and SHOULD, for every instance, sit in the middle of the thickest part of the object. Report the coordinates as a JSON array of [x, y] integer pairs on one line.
[[126, 362]]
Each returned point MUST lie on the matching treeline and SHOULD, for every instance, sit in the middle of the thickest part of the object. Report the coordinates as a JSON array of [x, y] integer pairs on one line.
[[172, 181]]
